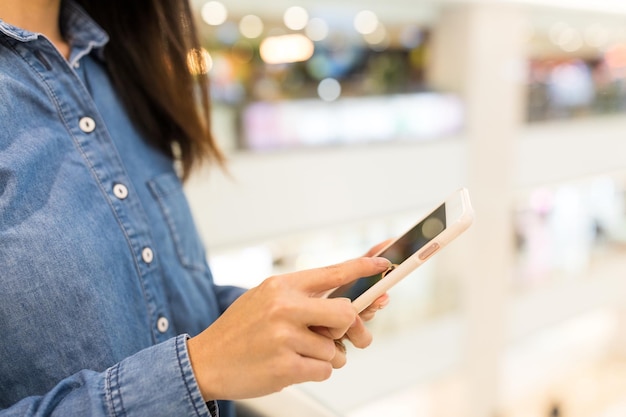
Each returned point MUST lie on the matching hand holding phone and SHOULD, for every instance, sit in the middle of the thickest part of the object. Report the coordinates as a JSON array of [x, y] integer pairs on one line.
[[406, 253]]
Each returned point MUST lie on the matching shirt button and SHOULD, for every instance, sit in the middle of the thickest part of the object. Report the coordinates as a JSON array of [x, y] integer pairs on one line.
[[87, 124], [163, 324], [76, 65], [120, 191], [147, 255]]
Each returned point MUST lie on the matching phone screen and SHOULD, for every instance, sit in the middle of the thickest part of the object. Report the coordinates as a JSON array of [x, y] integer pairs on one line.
[[409, 243]]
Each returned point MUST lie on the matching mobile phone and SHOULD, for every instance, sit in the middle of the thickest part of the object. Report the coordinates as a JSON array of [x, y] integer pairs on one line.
[[434, 231]]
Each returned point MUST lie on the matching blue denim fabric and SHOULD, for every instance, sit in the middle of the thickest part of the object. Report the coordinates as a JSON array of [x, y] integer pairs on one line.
[[103, 276]]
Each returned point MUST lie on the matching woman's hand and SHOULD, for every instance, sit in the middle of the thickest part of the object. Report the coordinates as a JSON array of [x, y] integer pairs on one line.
[[269, 337], [358, 334], [383, 300]]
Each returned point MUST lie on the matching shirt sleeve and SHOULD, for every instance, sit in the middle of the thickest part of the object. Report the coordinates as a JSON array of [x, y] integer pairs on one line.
[[155, 382], [226, 295]]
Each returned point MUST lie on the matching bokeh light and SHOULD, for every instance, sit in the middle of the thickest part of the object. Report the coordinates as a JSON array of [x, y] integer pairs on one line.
[[565, 36], [596, 36], [296, 18], [251, 26], [286, 49], [316, 29], [329, 89], [199, 61], [570, 40], [319, 67], [377, 37], [214, 13], [366, 22]]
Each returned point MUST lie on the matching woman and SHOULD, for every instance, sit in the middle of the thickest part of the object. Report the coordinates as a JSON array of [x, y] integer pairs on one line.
[[107, 305]]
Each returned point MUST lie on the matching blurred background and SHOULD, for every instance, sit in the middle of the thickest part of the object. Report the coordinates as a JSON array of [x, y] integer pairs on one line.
[[344, 121]]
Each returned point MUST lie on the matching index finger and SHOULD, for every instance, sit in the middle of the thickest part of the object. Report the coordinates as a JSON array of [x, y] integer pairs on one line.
[[319, 280]]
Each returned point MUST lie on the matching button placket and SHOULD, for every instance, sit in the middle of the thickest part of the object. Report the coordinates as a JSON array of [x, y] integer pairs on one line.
[[120, 191], [132, 221], [87, 124], [163, 324], [147, 255]]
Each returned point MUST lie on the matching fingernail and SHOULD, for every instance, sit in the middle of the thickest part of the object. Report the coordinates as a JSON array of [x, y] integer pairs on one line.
[[382, 262]]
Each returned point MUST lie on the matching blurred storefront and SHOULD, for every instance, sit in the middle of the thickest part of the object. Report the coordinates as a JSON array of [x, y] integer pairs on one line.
[[344, 121]]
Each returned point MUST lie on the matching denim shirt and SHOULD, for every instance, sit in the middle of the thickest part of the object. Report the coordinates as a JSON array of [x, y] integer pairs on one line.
[[103, 276]]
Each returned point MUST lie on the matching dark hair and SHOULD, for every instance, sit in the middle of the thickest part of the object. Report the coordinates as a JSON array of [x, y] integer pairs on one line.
[[148, 58]]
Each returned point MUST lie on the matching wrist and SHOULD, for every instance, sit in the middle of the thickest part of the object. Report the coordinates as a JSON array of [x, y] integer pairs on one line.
[[196, 352]]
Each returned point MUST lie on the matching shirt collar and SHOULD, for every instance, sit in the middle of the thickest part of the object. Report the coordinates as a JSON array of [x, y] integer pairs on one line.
[[82, 33]]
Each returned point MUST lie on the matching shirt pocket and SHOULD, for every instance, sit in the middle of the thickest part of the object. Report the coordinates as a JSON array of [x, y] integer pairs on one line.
[[168, 191]]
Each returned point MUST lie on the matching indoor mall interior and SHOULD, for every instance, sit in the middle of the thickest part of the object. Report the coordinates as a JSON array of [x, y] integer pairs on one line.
[[344, 121]]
